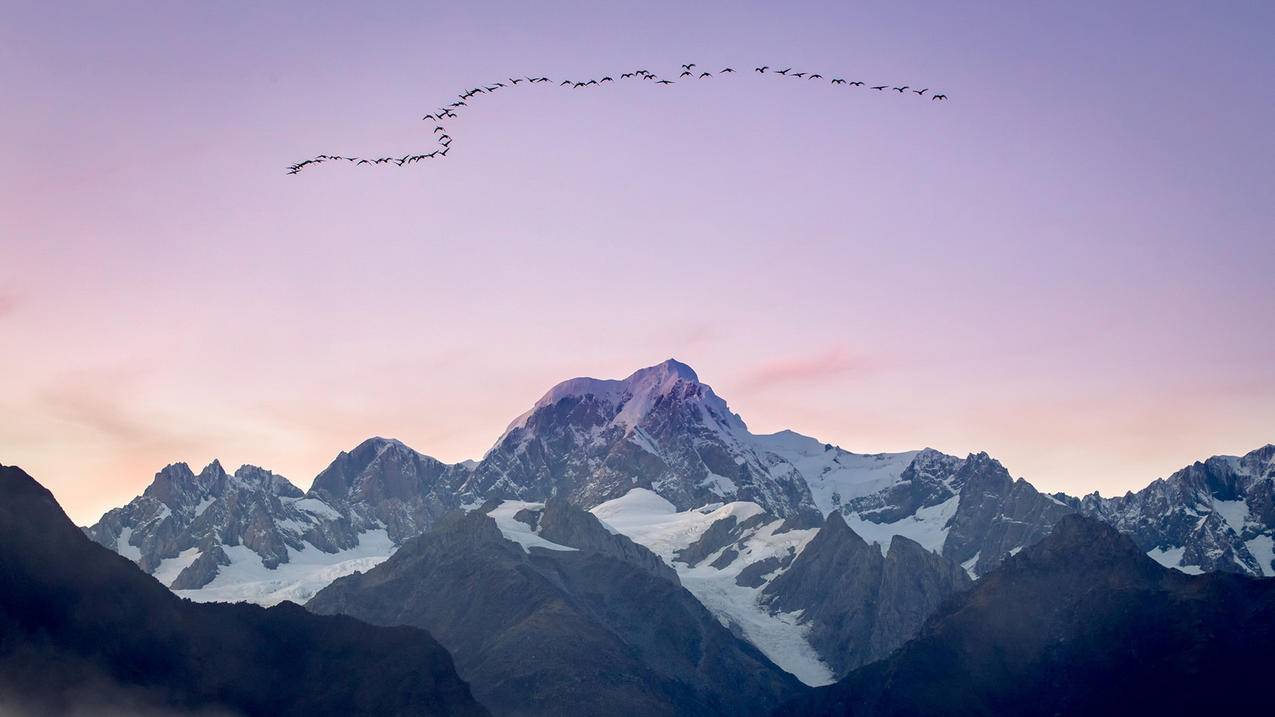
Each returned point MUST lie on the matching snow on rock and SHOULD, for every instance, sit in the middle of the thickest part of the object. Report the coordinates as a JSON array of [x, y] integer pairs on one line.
[[928, 526], [306, 572], [654, 522], [519, 532]]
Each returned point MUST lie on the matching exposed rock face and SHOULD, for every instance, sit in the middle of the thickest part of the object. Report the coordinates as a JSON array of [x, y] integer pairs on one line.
[[996, 515], [859, 604], [1215, 515], [253, 507], [590, 441], [83, 631], [383, 483], [1082, 622], [560, 631]]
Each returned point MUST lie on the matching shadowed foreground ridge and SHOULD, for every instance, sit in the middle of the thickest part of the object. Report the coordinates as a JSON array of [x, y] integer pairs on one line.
[[601, 627], [1080, 623], [83, 631]]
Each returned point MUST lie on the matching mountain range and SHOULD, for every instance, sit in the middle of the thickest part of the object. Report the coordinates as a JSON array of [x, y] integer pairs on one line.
[[85, 632], [772, 534]]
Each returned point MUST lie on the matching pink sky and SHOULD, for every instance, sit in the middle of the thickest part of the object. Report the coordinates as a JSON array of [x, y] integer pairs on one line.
[[1068, 265]]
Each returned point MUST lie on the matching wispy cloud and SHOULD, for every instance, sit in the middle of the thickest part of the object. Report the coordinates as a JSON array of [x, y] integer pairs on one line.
[[8, 303], [832, 364]]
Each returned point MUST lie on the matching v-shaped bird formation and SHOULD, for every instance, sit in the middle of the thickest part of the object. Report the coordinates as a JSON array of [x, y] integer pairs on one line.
[[688, 72]]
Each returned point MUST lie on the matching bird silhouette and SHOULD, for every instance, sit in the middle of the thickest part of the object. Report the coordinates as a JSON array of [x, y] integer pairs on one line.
[[445, 140]]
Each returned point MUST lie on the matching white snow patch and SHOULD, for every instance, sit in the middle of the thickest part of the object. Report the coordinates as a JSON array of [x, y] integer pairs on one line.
[[203, 505], [306, 572], [1263, 548], [132, 552], [1172, 558], [314, 506], [1234, 512], [518, 531], [927, 526], [968, 565], [652, 521], [170, 568]]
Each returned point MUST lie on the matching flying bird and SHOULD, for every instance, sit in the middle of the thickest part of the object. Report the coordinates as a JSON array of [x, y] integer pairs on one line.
[[607, 79], [763, 68], [859, 84], [838, 81], [921, 92], [689, 66], [440, 128], [565, 82], [938, 97], [727, 69], [815, 77], [881, 87], [899, 89], [798, 74], [664, 82], [702, 75], [685, 73]]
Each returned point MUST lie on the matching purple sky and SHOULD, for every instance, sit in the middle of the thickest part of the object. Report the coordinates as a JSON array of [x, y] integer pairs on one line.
[[1069, 265]]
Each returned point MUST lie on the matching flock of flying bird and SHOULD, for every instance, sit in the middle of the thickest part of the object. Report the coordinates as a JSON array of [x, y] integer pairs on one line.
[[689, 71]]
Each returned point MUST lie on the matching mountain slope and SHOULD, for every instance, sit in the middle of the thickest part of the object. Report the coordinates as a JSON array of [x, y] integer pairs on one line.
[[592, 626], [82, 628], [1080, 623]]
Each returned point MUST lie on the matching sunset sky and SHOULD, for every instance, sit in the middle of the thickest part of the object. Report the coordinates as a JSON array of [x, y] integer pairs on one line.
[[1070, 264]]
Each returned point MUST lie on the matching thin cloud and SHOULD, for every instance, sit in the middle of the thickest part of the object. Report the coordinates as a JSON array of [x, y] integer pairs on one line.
[[8, 304], [826, 366]]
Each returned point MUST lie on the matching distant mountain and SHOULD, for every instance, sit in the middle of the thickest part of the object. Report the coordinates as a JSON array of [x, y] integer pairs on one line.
[[1215, 515], [84, 631], [549, 612], [1082, 622]]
